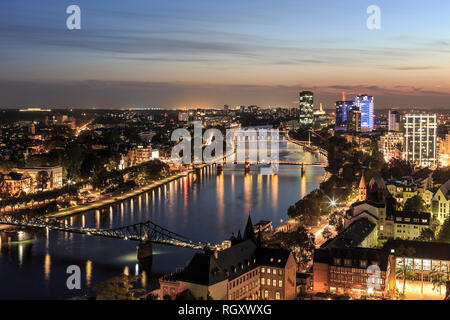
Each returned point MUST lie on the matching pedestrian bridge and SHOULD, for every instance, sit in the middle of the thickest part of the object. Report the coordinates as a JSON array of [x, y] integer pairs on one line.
[[145, 232]]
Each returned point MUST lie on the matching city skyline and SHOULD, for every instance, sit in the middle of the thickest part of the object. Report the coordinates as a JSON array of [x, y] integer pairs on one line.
[[202, 54]]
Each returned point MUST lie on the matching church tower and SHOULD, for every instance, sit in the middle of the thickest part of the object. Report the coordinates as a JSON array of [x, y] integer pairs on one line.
[[249, 233], [362, 189]]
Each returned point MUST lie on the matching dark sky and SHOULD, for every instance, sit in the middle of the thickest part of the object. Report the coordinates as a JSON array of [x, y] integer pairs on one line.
[[202, 53]]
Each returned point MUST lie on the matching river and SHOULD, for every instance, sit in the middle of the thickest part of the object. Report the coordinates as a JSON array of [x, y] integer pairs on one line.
[[205, 206]]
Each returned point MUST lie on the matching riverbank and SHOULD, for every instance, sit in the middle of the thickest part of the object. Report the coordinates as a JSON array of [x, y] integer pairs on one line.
[[293, 223], [306, 146], [109, 200]]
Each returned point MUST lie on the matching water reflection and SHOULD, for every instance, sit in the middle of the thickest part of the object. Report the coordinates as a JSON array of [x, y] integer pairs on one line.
[[303, 186], [88, 272], [47, 265]]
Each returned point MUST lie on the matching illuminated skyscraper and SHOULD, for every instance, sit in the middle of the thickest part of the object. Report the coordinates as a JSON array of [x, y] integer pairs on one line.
[[342, 110], [395, 121], [306, 106], [420, 139], [354, 120], [365, 105]]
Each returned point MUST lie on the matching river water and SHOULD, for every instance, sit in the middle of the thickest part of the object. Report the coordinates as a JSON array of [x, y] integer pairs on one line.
[[204, 206]]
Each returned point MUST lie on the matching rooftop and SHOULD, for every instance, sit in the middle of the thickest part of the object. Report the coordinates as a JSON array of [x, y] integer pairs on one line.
[[424, 250], [356, 255], [353, 236], [210, 268]]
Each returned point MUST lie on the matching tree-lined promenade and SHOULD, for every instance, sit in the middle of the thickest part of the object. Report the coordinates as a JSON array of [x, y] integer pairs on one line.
[[109, 199], [141, 178]]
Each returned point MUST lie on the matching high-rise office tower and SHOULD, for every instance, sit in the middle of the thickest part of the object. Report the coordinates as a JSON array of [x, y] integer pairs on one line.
[[420, 139], [354, 120], [365, 105], [395, 121], [339, 115], [342, 110], [306, 106]]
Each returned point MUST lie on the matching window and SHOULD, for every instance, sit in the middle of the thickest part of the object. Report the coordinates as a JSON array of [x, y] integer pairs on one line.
[[274, 271], [266, 294], [268, 270], [280, 283], [263, 281], [337, 261], [263, 270], [363, 263], [268, 282], [347, 262], [277, 296]]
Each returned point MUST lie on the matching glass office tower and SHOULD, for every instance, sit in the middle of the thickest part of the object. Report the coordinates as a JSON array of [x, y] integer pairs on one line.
[[420, 139], [365, 104], [306, 108]]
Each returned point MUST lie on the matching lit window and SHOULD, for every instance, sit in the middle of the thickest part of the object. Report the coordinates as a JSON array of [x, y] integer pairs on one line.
[[280, 283], [277, 296], [263, 281]]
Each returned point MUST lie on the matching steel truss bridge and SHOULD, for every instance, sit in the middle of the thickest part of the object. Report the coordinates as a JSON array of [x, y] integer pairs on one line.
[[144, 231]]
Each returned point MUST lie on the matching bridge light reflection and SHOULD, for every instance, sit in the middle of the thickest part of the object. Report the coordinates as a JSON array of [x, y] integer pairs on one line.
[[88, 272], [47, 266]]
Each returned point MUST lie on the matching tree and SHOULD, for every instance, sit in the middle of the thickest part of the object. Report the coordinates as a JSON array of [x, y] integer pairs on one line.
[[444, 232], [426, 235], [415, 204], [326, 233], [397, 169], [299, 241], [441, 175], [118, 288], [404, 270], [2, 184], [438, 278], [42, 180], [337, 220], [308, 210]]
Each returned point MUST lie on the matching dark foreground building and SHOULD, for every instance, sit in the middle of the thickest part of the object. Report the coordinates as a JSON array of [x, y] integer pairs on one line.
[[245, 271]]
